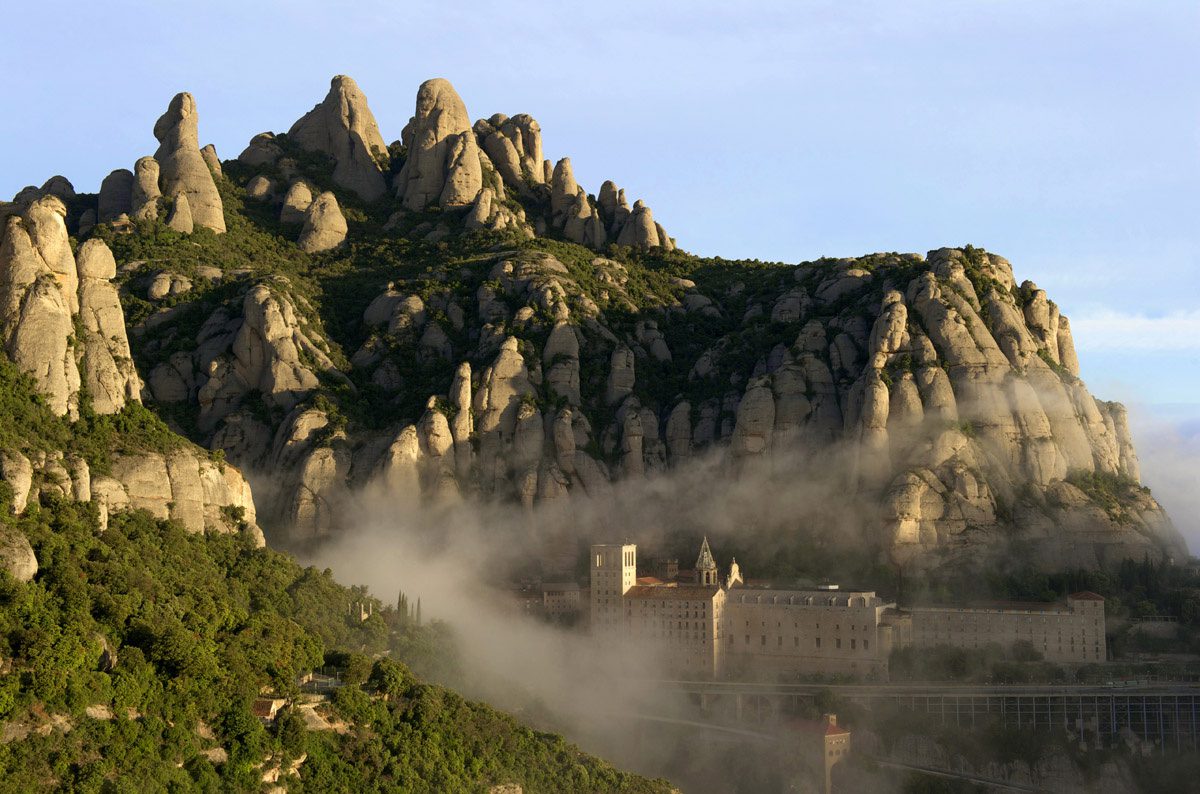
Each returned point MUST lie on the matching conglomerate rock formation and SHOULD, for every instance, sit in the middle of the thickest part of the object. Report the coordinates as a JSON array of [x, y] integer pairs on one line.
[[343, 127], [182, 168], [63, 325], [454, 317]]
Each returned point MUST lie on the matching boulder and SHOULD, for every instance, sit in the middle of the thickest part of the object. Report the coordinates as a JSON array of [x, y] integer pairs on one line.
[[59, 186], [621, 375], [296, 202], [640, 230], [17, 471], [502, 385], [262, 150], [181, 219], [209, 153], [16, 555], [563, 189], [560, 357], [514, 146], [755, 421], [260, 188], [324, 225], [116, 196], [145, 193]]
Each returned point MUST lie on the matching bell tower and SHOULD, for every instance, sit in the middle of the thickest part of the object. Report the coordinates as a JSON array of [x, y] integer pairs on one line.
[[613, 572], [706, 567]]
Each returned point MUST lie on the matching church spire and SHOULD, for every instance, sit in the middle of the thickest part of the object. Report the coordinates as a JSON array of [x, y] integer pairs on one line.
[[706, 566]]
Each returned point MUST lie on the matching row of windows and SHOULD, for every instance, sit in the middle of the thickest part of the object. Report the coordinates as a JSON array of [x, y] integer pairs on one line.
[[836, 627], [866, 644]]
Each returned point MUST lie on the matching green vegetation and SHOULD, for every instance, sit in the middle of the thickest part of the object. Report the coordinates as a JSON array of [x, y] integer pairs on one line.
[[1113, 492], [29, 426], [199, 626]]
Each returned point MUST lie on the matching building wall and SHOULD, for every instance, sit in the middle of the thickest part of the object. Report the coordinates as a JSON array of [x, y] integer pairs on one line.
[[560, 601], [800, 632], [1066, 633], [684, 631]]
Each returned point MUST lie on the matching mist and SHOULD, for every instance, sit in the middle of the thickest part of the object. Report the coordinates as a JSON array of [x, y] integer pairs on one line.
[[460, 558], [1168, 445]]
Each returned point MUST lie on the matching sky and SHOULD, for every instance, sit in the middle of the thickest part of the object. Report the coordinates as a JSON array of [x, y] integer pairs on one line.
[[1063, 135]]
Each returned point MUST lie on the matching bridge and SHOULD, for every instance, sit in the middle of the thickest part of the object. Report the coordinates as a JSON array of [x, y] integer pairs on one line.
[[1164, 714]]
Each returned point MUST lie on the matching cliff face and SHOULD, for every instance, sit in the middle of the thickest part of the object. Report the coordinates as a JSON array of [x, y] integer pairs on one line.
[[488, 329], [64, 329]]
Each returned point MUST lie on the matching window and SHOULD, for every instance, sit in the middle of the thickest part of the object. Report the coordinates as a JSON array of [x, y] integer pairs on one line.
[[853, 645], [838, 641], [866, 645], [763, 641], [818, 642], [780, 643]]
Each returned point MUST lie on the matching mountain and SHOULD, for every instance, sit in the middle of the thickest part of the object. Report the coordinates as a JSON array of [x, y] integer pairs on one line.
[[141, 615], [451, 317]]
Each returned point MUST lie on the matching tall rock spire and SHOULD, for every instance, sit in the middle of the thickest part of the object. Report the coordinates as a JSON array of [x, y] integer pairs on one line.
[[343, 127], [181, 166], [443, 164]]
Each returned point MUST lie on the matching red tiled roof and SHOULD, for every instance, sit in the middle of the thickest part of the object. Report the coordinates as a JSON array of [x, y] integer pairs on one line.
[[1086, 595], [649, 580], [677, 592]]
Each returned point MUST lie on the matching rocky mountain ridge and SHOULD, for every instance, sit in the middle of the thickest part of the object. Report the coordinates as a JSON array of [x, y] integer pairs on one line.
[[453, 317]]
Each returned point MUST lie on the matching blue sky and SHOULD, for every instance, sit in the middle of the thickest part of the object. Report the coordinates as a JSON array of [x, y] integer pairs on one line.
[[1063, 135]]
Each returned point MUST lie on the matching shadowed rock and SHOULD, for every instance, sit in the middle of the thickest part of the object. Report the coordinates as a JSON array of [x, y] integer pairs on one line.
[[443, 164], [343, 127], [324, 225]]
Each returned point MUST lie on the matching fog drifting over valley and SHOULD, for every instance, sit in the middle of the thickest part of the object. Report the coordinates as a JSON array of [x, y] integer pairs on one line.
[[458, 560]]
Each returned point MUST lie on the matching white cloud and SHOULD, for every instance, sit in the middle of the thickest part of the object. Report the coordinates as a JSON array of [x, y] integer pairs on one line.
[[1106, 329]]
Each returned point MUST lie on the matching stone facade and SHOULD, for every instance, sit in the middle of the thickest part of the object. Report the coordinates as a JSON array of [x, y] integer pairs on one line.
[[1069, 632], [806, 631]]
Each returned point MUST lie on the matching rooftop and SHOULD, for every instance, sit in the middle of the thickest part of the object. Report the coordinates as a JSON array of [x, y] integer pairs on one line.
[[1085, 595], [999, 606], [684, 592]]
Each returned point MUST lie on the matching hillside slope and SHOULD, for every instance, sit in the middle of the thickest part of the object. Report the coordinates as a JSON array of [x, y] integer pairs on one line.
[[131, 662]]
